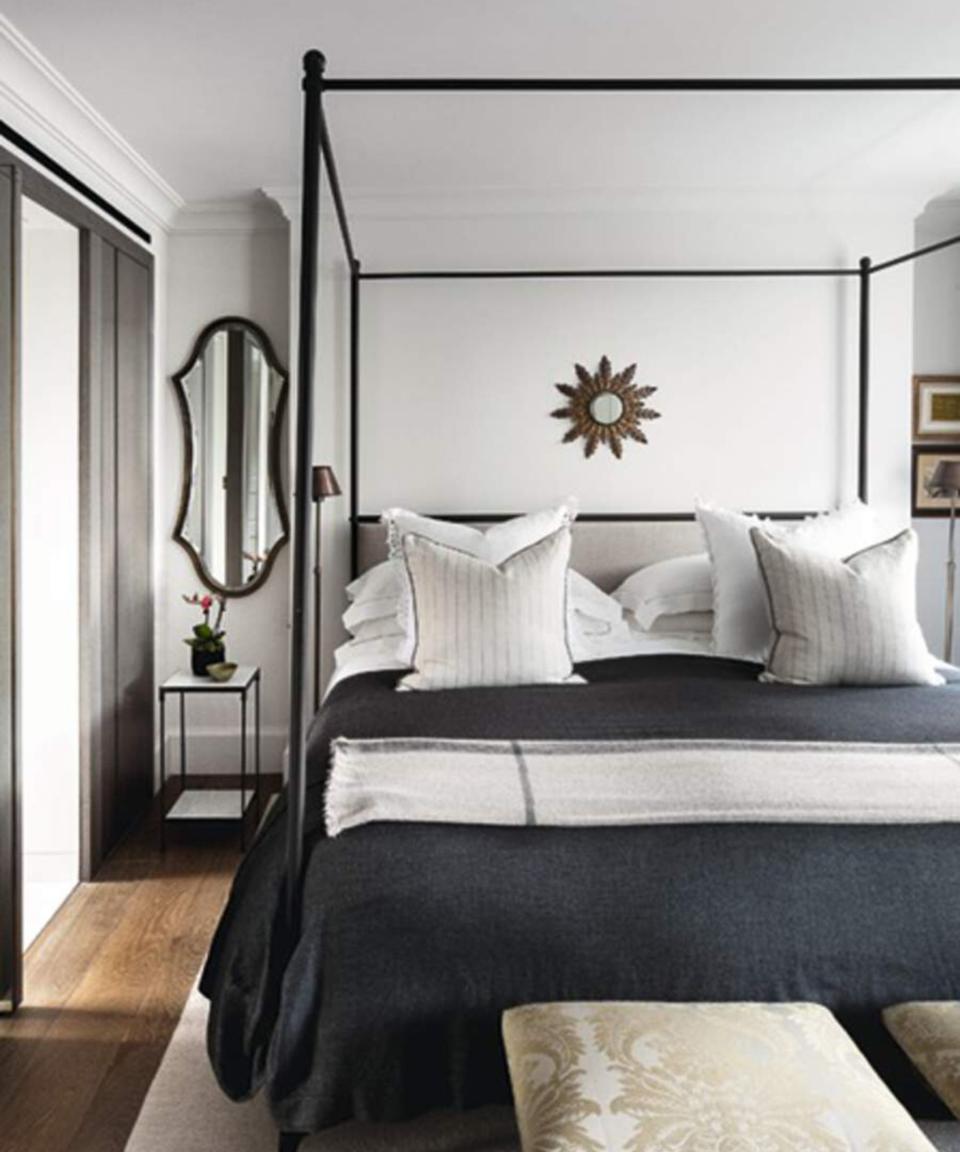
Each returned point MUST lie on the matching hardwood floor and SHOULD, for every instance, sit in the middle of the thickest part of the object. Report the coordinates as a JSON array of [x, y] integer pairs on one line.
[[105, 984]]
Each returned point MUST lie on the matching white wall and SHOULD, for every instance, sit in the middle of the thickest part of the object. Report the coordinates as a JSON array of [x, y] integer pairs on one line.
[[936, 350], [331, 415], [49, 562], [331, 433], [458, 388], [757, 380], [217, 268]]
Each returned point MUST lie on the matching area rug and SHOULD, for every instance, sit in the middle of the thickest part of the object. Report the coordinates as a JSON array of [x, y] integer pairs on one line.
[[185, 1111]]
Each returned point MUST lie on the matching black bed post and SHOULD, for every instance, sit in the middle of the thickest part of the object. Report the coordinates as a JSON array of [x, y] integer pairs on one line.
[[863, 436], [354, 417], [313, 65]]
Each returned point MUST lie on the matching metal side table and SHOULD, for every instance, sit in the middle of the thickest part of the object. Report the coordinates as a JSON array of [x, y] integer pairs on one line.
[[211, 803]]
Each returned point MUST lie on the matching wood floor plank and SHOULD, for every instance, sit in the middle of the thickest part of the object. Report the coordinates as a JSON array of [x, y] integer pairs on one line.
[[82, 1040], [54, 967], [115, 1106], [104, 988]]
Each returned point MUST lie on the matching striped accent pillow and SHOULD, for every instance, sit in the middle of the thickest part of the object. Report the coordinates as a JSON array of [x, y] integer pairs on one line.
[[478, 623], [847, 621]]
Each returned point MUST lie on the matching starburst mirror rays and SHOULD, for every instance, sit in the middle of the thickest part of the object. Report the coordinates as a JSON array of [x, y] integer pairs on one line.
[[605, 407]]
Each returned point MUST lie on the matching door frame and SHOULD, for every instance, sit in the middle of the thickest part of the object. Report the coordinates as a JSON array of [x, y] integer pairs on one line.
[[11, 928]]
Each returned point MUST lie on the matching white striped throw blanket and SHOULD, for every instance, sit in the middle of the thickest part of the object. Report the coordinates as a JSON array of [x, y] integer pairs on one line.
[[640, 782]]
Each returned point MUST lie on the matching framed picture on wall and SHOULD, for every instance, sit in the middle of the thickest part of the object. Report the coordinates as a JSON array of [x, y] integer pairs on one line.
[[925, 459], [936, 408]]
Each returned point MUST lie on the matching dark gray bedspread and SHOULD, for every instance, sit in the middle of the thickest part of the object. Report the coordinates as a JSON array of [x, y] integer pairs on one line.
[[415, 937]]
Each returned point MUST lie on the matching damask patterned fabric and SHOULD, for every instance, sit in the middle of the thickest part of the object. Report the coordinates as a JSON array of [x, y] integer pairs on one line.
[[929, 1033], [646, 1077]]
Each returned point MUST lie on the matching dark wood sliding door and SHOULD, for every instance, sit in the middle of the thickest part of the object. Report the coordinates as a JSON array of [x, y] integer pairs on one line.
[[10, 929], [134, 577], [116, 565], [98, 552]]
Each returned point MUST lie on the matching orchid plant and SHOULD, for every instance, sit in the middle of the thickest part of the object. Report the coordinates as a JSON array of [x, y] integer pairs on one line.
[[207, 637]]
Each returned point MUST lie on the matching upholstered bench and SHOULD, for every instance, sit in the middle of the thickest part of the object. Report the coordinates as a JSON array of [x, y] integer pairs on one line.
[[929, 1033], [643, 1077]]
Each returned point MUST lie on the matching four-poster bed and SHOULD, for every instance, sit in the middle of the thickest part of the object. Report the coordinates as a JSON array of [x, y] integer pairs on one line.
[[317, 144], [339, 871]]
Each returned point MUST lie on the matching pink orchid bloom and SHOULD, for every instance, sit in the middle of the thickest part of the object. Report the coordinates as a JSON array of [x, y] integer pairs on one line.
[[206, 603]]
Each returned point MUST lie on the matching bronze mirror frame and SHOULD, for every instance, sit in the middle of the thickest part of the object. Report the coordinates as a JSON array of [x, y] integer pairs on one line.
[[625, 424], [274, 454]]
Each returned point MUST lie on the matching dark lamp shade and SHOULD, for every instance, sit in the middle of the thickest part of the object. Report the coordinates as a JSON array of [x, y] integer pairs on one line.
[[945, 480], [324, 482]]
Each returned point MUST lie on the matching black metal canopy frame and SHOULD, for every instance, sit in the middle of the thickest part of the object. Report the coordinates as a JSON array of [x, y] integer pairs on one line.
[[317, 145]]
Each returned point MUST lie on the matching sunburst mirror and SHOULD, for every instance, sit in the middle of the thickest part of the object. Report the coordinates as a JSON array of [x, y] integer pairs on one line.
[[605, 407]]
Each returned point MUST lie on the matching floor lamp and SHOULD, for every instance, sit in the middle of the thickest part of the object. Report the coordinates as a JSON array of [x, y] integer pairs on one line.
[[945, 481], [324, 487]]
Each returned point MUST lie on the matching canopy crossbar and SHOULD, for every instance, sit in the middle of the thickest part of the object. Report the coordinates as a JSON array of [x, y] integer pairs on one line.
[[608, 273], [643, 84], [318, 147]]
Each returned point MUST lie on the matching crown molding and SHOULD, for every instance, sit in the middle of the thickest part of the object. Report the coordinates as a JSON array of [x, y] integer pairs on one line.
[[41, 104], [256, 214], [480, 203]]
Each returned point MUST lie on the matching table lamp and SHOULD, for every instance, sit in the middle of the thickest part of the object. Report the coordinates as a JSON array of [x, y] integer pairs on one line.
[[324, 487]]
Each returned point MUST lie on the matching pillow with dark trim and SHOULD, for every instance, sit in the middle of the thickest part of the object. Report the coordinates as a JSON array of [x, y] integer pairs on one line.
[[478, 623], [850, 621]]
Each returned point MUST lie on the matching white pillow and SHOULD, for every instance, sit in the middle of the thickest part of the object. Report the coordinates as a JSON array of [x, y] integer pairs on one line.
[[378, 628], [848, 621], [377, 618], [376, 583], [479, 623], [494, 544], [682, 584], [682, 624], [592, 600], [372, 608], [379, 595], [742, 626]]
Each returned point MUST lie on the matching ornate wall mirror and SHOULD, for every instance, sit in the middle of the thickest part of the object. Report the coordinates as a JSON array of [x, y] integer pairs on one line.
[[232, 394]]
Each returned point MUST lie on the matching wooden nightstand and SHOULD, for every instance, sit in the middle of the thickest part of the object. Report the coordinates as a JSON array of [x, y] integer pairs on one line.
[[211, 803]]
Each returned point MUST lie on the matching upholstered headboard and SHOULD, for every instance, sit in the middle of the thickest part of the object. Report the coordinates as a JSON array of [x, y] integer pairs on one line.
[[604, 551]]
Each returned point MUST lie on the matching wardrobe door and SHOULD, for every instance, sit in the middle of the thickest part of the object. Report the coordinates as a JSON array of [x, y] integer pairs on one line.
[[116, 572], [134, 574], [10, 928], [100, 823]]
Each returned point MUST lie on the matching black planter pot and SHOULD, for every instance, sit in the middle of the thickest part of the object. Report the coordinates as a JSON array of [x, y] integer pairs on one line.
[[200, 661]]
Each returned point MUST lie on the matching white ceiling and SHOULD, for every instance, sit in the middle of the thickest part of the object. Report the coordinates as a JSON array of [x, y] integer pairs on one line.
[[207, 91]]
